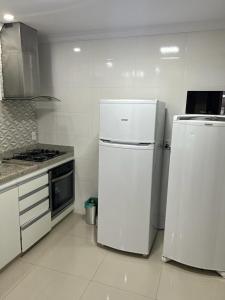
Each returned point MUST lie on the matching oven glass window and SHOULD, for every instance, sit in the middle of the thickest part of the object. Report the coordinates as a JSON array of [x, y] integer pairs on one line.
[[62, 193]]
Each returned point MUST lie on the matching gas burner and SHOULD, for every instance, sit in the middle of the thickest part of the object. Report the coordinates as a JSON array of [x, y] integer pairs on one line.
[[37, 155]]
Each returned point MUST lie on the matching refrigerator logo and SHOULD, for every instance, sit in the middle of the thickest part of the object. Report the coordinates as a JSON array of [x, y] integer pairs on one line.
[[124, 120]]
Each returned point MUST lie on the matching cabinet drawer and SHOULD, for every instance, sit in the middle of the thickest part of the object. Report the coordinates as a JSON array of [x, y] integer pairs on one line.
[[33, 185], [34, 212], [31, 234], [33, 199]]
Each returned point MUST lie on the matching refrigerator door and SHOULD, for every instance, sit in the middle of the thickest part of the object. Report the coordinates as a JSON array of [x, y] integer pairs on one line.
[[195, 222], [125, 176], [128, 121]]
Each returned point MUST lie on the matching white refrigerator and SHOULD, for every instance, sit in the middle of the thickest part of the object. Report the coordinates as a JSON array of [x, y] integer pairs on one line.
[[195, 214], [130, 150]]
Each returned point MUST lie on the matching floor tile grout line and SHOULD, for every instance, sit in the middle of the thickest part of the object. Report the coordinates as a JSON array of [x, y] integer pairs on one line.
[[50, 269], [160, 275], [88, 280], [123, 290], [158, 285], [84, 291], [98, 267], [60, 272], [23, 261], [19, 281], [67, 234]]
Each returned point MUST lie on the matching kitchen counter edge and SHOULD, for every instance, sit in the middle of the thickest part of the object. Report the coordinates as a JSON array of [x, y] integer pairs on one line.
[[34, 170]]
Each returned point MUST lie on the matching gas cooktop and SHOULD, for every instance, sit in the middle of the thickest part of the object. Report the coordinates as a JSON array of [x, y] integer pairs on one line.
[[37, 155]]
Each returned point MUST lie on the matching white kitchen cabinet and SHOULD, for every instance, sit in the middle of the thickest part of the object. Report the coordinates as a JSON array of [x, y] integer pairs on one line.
[[9, 226], [35, 215]]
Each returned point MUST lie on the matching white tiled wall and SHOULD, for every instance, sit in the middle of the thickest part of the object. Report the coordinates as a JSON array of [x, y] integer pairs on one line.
[[138, 71]]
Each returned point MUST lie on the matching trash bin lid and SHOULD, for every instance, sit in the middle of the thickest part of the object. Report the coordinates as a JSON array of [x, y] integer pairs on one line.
[[90, 202]]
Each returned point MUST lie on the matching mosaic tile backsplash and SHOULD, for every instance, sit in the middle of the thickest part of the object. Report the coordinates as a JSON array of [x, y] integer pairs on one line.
[[17, 122]]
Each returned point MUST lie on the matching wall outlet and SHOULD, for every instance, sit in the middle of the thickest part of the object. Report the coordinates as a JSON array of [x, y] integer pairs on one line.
[[33, 136]]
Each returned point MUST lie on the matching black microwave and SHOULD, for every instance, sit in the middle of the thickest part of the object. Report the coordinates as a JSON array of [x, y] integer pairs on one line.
[[205, 102]]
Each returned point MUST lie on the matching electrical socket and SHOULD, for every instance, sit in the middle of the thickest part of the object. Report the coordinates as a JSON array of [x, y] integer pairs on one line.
[[33, 136]]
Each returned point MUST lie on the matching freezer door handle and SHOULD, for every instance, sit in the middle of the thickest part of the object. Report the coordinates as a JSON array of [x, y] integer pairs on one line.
[[140, 146]]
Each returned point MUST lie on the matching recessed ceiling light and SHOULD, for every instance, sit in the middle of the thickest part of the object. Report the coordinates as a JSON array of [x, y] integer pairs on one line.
[[157, 70], [77, 49], [169, 49], [170, 57], [109, 63], [8, 17]]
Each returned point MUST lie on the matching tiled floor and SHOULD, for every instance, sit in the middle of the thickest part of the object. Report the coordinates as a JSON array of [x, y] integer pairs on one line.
[[67, 264]]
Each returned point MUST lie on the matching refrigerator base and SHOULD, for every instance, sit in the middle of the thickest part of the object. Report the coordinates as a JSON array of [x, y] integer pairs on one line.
[[166, 260], [222, 274], [142, 253], [123, 251]]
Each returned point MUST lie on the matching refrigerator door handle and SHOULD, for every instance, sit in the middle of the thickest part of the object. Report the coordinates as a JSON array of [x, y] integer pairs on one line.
[[140, 146]]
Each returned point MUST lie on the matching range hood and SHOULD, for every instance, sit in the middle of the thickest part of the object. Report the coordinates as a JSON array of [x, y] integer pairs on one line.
[[20, 63]]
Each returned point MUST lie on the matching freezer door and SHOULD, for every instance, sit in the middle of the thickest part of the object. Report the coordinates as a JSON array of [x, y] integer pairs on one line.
[[195, 222], [128, 122], [125, 176]]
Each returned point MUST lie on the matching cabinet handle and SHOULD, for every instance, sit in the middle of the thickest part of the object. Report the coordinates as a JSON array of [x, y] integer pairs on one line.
[[33, 192], [25, 226], [62, 177], [34, 205]]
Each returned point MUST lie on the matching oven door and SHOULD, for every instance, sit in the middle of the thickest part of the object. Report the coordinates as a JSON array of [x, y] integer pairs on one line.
[[61, 191]]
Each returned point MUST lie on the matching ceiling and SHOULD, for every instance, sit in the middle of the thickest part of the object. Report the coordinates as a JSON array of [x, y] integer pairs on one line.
[[59, 17]]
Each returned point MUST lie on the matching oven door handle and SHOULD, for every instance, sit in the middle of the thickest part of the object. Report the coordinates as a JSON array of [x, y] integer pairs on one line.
[[62, 177]]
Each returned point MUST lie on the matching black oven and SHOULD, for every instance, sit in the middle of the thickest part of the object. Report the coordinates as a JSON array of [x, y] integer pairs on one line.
[[61, 187]]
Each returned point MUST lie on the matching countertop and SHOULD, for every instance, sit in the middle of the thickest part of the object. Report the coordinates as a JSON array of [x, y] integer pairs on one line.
[[13, 169]]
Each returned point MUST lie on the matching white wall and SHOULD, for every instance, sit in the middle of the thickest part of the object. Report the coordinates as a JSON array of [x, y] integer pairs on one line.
[[81, 79]]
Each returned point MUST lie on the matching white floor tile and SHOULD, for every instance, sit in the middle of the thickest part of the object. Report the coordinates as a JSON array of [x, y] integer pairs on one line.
[[80, 229], [62, 264], [179, 282], [74, 256], [134, 274], [11, 275], [44, 246], [97, 291], [44, 284]]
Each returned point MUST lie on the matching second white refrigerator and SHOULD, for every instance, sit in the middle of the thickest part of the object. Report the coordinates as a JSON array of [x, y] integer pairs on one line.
[[130, 148]]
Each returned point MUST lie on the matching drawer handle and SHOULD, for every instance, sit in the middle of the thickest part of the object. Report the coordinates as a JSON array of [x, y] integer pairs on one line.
[[25, 226], [32, 206], [33, 192]]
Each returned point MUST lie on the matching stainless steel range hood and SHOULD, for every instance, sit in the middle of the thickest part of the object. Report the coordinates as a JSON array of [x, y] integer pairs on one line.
[[20, 63]]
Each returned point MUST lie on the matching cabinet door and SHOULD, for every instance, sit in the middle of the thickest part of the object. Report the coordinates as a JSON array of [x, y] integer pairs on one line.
[[124, 202], [9, 226], [128, 122]]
